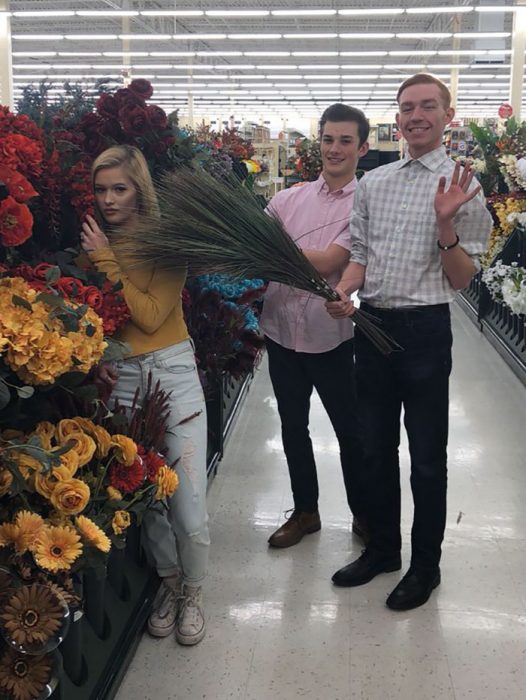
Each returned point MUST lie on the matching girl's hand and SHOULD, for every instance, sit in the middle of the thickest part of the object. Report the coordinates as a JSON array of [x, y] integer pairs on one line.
[[92, 237], [340, 309]]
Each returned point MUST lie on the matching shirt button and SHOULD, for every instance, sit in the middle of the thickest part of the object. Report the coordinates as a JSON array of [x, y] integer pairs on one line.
[[397, 229], [404, 205]]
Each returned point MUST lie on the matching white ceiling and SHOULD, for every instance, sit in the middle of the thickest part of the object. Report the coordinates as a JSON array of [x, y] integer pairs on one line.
[[232, 74]]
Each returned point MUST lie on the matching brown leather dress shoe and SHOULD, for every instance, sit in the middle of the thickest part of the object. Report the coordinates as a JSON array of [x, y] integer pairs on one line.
[[292, 532]]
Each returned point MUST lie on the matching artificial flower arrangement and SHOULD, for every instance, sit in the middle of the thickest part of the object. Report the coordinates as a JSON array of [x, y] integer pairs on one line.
[[507, 285], [501, 156], [307, 161]]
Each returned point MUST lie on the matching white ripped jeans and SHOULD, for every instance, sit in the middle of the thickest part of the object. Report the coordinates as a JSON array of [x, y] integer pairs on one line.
[[176, 539]]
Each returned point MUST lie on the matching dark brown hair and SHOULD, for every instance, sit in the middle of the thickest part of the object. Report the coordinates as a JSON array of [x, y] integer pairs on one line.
[[343, 113]]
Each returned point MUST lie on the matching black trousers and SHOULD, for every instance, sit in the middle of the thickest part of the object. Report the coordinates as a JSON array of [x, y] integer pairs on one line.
[[294, 375], [418, 380]]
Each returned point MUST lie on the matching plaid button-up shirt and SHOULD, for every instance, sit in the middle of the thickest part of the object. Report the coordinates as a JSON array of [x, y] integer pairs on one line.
[[394, 232]]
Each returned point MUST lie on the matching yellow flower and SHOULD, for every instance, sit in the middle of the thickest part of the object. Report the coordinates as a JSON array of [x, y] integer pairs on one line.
[[121, 521], [167, 482], [6, 479], [92, 534], [57, 548], [29, 526], [27, 464], [45, 483], [103, 440], [113, 494], [83, 445], [70, 497], [70, 461], [46, 432], [126, 449], [65, 427], [85, 424], [8, 534]]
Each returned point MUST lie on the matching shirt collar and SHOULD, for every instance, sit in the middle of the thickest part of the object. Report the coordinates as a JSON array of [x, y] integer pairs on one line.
[[321, 186], [432, 160]]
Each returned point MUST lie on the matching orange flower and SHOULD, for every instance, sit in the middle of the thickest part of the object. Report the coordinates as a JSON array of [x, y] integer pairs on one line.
[[8, 534], [92, 534], [16, 222], [29, 526], [121, 521], [167, 483], [70, 497], [57, 547], [6, 479], [126, 449], [83, 445]]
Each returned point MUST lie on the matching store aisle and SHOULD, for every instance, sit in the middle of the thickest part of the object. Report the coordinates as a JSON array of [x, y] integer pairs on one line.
[[278, 629]]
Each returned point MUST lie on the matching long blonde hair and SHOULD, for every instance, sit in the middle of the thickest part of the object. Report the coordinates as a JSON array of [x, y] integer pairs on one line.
[[134, 163]]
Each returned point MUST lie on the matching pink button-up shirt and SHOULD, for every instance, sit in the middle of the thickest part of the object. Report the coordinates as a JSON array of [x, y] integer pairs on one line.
[[314, 218]]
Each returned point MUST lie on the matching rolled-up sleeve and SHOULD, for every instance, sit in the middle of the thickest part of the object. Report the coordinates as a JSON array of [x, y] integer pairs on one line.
[[359, 225]]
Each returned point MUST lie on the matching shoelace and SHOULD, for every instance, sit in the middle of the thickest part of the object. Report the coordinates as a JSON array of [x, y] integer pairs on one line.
[[168, 600], [189, 607]]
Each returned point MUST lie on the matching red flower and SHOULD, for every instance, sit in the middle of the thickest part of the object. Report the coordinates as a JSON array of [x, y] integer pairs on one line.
[[92, 296], [107, 106], [153, 461], [21, 154], [19, 188], [142, 87], [157, 117], [134, 121], [69, 287], [127, 479], [128, 98], [16, 222], [40, 270]]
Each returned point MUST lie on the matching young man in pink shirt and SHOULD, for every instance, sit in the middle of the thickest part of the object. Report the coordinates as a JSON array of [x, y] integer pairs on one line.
[[306, 348]]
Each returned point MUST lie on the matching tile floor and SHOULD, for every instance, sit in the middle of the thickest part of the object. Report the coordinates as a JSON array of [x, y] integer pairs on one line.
[[278, 630]]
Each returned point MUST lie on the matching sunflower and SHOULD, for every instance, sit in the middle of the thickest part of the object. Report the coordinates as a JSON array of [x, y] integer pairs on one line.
[[8, 534], [23, 677], [29, 526], [31, 616], [92, 534], [57, 547]]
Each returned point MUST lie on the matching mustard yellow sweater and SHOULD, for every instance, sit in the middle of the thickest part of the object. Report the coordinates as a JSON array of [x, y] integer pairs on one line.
[[153, 298]]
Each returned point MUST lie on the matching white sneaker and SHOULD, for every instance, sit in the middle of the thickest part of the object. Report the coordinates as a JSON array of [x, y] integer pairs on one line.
[[190, 627], [163, 619]]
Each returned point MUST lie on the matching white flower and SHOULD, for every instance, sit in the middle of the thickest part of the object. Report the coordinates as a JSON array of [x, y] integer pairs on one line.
[[507, 284], [479, 165]]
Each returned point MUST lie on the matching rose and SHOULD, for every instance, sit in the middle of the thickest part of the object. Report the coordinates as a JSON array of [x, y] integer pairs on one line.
[[40, 270], [135, 120], [19, 188], [121, 521], [128, 98], [112, 128], [142, 87], [69, 287], [157, 117], [16, 222], [70, 497], [92, 296], [107, 106]]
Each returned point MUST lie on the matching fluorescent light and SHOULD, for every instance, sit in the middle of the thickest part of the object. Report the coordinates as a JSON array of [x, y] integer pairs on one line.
[[266, 53], [43, 13], [198, 37], [497, 8], [125, 54], [310, 36], [235, 66], [237, 13], [315, 76], [171, 13], [412, 53], [38, 37], [254, 36], [315, 53], [150, 66], [299, 13], [32, 66], [316, 66], [158, 54], [79, 53], [283, 77], [453, 10], [91, 37], [146, 37], [368, 35], [424, 35], [324, 85], [481, 35], [363, 53], [353, 66], [378, 11], [287, 66], [107, 13], [27, 54], [219, 53], [462, 52]]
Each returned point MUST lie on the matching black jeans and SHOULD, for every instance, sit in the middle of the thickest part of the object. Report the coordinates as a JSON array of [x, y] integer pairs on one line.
[[294, 375], [416, 378]]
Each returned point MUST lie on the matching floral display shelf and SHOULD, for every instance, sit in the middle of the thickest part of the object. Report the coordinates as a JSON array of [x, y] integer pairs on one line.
[[222, 408], [505, 330]]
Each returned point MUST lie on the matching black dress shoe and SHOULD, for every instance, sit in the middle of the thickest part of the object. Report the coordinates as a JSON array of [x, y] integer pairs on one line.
[[365, 568], [414, 589]]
